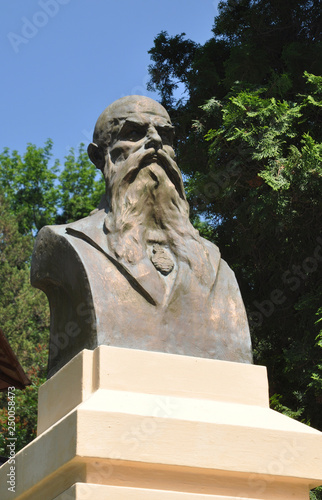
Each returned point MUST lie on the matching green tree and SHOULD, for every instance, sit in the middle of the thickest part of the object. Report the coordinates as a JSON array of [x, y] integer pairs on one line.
[[28, 184], [39, 192], [80, 190], [261, 195], [24, 317], [249, 143], [254, 42], [33, 193], [268, 38]]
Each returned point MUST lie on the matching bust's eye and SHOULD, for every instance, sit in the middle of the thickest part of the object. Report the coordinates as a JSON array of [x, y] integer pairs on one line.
[[134, 135], [131, 133], [166, 136]]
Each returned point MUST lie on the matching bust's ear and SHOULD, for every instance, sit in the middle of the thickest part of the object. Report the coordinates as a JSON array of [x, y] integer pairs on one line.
[[96, 155]]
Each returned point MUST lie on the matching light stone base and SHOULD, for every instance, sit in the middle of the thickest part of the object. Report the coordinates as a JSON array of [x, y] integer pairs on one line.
[[121, 424]]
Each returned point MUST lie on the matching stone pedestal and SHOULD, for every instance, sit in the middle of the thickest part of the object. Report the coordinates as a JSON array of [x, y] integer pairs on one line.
[[121, 424]]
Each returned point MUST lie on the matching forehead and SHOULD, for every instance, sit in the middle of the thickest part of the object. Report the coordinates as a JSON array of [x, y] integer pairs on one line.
[[129, 107], [146, 119], [137, 109]]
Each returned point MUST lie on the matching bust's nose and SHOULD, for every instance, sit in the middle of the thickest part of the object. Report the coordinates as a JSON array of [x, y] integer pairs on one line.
[[153, 139]]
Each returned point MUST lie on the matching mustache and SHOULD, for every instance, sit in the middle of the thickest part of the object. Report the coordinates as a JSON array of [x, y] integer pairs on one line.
[[165, 161]]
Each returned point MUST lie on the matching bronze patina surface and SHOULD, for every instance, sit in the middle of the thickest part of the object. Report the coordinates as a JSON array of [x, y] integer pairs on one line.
[[136, 273]]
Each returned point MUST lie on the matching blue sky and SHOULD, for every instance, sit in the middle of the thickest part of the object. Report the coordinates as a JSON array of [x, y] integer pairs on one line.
[[64, 61]]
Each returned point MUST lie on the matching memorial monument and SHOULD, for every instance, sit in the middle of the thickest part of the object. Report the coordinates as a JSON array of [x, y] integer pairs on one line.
[[136, 273], [152, 405]]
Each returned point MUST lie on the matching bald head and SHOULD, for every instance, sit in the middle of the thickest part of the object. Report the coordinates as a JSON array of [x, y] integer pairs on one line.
[[116, 113]]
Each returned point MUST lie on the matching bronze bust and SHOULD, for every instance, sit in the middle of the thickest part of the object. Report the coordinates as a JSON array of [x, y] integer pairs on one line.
[[136, 273]]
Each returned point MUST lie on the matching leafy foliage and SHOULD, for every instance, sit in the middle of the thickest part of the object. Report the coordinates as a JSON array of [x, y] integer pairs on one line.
[[259, 43], [28, 184], [172, 64], [32, 194], [26, 402], [266, 214], [39, 194], [80, 192], [24, 317], [252, 158], [268, 38], [249, 144]]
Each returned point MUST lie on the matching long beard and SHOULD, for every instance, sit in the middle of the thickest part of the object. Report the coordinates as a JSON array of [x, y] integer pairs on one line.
[[148, 208]]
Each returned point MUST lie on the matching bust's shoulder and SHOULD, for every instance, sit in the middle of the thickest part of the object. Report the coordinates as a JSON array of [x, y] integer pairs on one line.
[[211, 248], [49, 239], [62, 231], [214, 254], [56, 245], [50, 232], [49, 249]]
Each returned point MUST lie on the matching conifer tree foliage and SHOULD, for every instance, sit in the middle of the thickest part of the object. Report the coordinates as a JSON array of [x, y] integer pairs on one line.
[[255, 42], [249, 142], [261, 194], [268, 38]]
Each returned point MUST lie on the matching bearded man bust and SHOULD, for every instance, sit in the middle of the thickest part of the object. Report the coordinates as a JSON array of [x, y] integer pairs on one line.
[[136, 273]]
